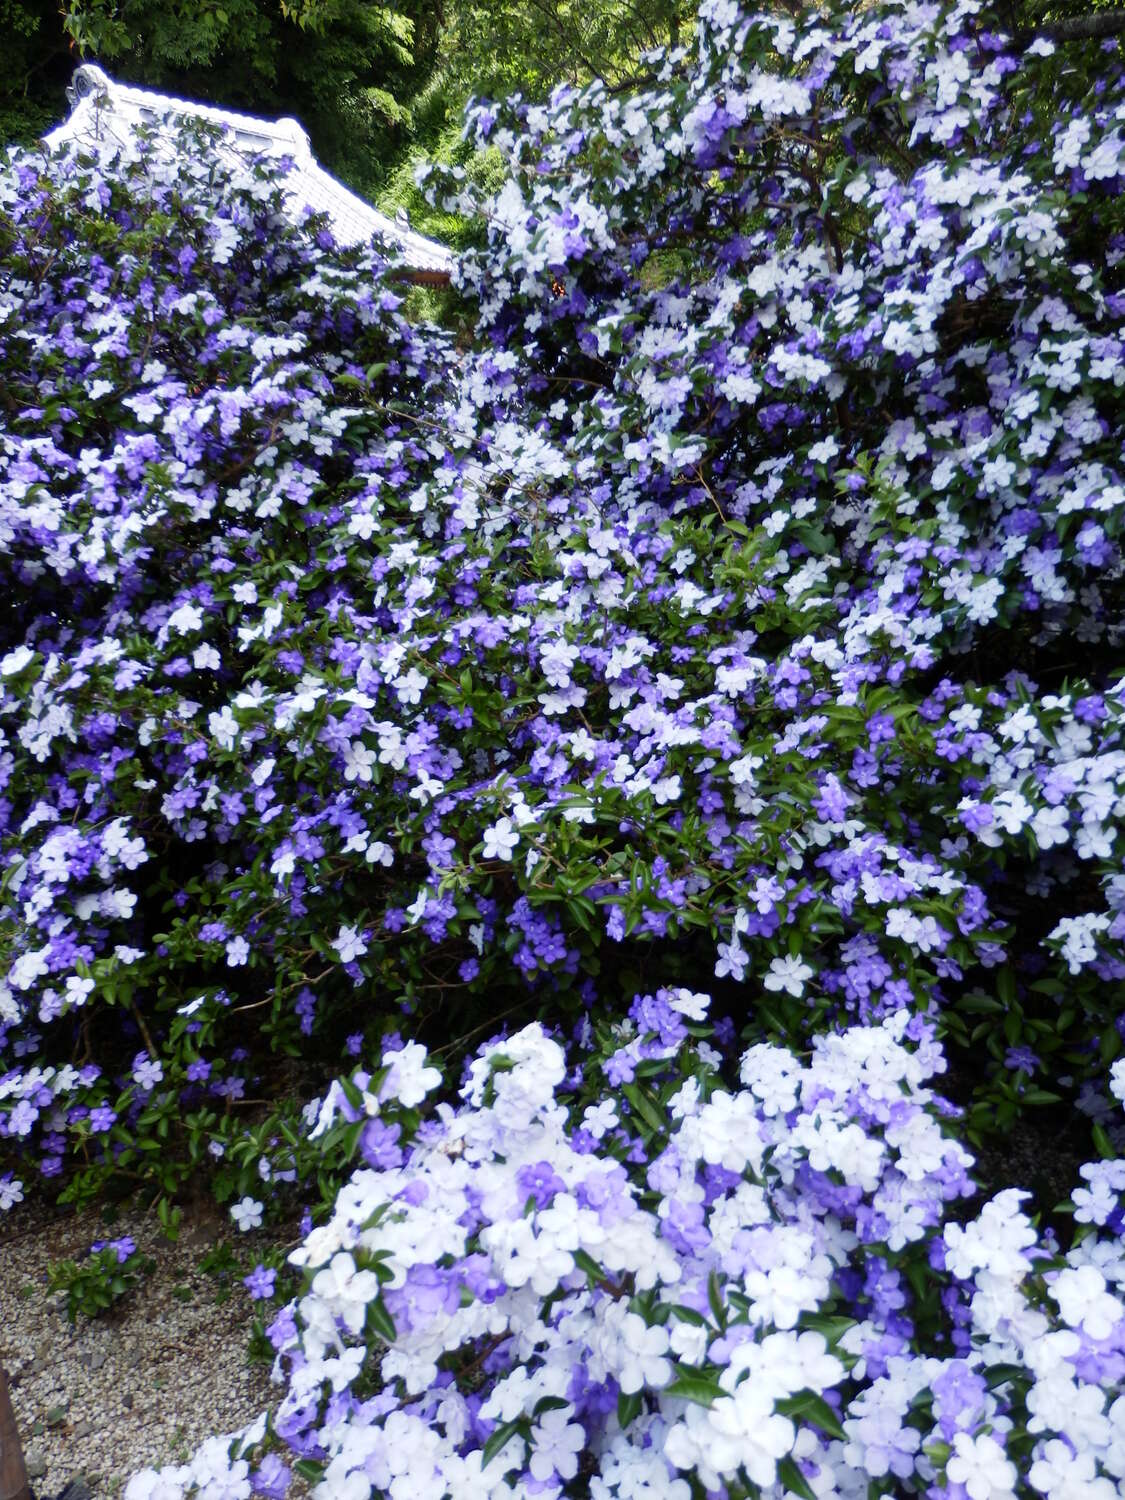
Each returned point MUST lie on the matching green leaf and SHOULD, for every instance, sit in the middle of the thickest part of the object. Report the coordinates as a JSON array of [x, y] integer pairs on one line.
[[644, 1104], [503, 1434], [918, 1277], [792, 1478], [1013, 1026], [979, 1004], [833, 1327], [812, 1408], [549, 1403], [381, 1320], [715, 1300], [1102, 1144], [586, 1262], [999, 1375], [816, 541], [686, 1314], [693, 1386], [628, 1408]]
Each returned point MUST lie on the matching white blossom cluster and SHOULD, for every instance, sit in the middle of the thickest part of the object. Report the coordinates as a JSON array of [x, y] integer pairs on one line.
[[683, 1316]]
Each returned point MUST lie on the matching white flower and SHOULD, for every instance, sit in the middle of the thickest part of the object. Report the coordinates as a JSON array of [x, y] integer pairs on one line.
[[350, 944], [345, 1290], [409, 686], [263, 772], [996, 1240], [29, 967], [165, 1484], [409, 1079], [1049, 826], [358, 760], [749, 1434], [206, 657], [786, 1362], [247, 1213], [773, 1075], [641, 1355], [693, 1006], [725, 1133], [826, 449], [238, 951], [187, 617], [781, 1294], [224, 728], [600, 1117], [982, 1466], [789, 974], [1084, 1301], [556, 1444], [522, 1258], [500, 840], [1061, 1473], [11, 1192], [15, 661]]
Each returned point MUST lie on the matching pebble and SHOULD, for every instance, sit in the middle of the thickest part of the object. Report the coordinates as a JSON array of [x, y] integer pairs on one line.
[[180, 1364]]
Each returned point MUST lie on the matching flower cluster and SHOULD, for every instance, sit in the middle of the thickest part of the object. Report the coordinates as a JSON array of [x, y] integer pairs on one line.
[[767, 1288]]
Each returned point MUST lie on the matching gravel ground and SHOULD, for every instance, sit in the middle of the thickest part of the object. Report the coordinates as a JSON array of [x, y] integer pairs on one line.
[[139, 1386]]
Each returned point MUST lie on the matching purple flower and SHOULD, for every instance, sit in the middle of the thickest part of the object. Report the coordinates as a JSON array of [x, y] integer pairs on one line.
[[122, 1248], [377, 1145], [260, 1282], [539, 1181], [1021, 1059]]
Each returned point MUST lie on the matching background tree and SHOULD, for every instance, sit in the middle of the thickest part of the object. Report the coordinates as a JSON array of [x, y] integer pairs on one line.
[[36, 60], [340, 66]]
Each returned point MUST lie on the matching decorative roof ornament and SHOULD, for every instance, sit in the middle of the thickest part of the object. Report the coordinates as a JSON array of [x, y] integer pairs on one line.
[[105, 112]]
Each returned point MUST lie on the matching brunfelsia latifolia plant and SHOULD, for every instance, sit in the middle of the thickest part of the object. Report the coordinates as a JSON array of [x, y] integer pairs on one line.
[[110, 1270], [735, 626]]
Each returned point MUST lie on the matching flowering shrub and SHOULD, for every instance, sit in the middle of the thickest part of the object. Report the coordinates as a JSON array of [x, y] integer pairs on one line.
[[111, 1269], [745, 601], [757, 1290], [727, 614], [180, 369]]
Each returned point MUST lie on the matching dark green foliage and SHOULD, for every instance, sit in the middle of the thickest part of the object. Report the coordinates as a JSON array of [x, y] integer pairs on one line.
[[37, 58], [337, 66]]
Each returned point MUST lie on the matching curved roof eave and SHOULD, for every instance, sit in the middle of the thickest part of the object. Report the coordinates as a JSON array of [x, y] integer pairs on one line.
[[105, 110]]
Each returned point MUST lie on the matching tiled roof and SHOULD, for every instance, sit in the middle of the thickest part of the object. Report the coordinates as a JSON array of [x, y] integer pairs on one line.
[[106, 111]]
